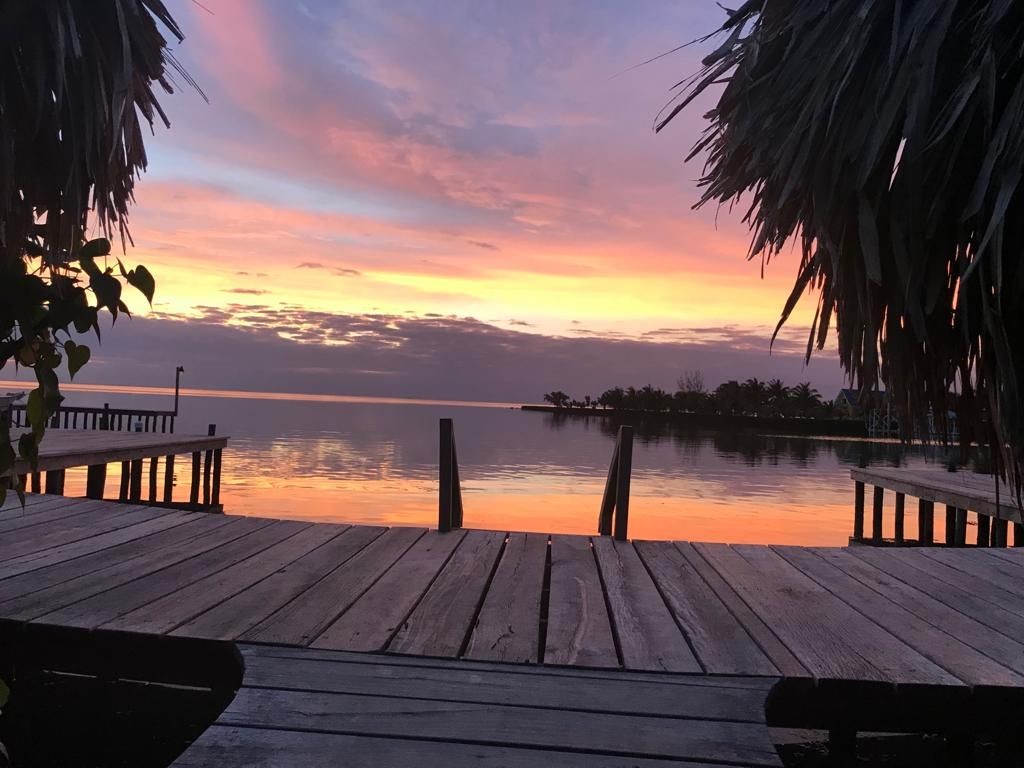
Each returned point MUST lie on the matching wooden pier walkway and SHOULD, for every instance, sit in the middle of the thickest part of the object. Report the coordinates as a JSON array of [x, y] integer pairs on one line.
[[64, 449], [861, 637], [991, 502]]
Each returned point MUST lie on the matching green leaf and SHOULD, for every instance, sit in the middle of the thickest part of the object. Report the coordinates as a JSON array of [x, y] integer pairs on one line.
[[78, 355], [94, 248], [35, 410], [141, 278], [28, 448], [107, 289]]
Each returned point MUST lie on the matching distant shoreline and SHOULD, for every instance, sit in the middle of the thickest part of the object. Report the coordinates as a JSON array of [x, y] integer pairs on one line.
[[780, 425]]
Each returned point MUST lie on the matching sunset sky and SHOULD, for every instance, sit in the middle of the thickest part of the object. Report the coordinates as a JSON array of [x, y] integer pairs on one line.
[[442, 199]]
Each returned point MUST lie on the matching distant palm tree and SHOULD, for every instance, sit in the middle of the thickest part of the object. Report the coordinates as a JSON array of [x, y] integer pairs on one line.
[[778, 396], [557, 398], [754, 395], [805, 398]]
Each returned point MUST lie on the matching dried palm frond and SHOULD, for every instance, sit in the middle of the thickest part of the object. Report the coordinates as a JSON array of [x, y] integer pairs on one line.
[[886, 137], [75, 77]]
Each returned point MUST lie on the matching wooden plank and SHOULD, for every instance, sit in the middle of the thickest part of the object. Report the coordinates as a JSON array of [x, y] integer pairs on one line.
[[926, 630], [571, 674], [375, 617], [81, 526], [783, 659], [12, 504], [579, 630], [57, 508], [106, 606], [44, 591], [720, 642], [603, 691], [163, 615], [745, 743], [832, 639], [439, 625], [63, 449], [508, 624], [227, 747], [304, 618], [108, 542], [647, 634], [241, 612], [922, 572], [991, 579]]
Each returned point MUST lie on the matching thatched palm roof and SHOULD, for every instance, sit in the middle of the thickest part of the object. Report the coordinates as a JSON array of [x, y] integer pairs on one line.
[[886, 137], [75, 78]]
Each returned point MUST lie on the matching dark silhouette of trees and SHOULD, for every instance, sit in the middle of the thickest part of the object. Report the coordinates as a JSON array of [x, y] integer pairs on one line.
[[752, 397]]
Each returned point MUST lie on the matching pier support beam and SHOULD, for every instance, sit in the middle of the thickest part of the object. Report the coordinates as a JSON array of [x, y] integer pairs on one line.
[[858, 511], [95, 481], [877, 501], [899, 518]]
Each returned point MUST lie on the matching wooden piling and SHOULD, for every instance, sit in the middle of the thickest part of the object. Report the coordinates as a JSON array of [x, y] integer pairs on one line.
[[95, 481], [877, 501], [858, 511], [899, 518]]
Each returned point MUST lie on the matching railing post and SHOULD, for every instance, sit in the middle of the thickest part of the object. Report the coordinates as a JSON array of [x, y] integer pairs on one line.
[[984, 530], [925, 521], [208, 468], [604, 517], [169, 479], [876, 514], [898, 519], [95, 480], [625, 469], [446, 479], [858, 511]]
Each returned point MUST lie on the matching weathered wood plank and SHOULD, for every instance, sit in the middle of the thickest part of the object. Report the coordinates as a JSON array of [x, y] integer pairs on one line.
[[767, 641], [57, 508], [109, 543], [236, 615], [108, 605], [745, 743], [508, 624], [439, 625], [926, 630], [607, 692], [41, 592], [301, 620], [166, 613], [922, 573], [831, 638], [1002, 574], [83, 525], [229, 747], [955, 489], [721, 643], [579, 630], [375, 617], [647, 634]]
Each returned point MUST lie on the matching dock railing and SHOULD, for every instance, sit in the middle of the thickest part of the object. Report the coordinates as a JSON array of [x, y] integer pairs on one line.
[[614, 515], [449, 507]]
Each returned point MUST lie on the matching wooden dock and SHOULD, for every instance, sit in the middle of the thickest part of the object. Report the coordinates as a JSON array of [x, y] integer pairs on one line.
[[64, 449], [856, 638], [964, 494]]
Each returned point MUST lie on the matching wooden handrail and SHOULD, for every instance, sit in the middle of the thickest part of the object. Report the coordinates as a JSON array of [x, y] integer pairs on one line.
[[449, 507], [614, 513]]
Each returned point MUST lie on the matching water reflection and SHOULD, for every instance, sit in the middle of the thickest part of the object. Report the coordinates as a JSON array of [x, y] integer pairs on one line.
[[376, 463]]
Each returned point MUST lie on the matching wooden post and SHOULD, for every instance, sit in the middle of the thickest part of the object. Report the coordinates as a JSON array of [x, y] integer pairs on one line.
[[169, 479], [625, 469], [1018, 535], [215, 493], [122, 494], [960, 536], [984, 530], [456, 487], [999, 532], [858, 511], [208, 468], [193, 493], [446, 479], [876, 514], [95, 481], [55, 482], [604, 517], [925, 521], [154, 464], [950, 525], [135, 487], [899, 518], [36, 482]]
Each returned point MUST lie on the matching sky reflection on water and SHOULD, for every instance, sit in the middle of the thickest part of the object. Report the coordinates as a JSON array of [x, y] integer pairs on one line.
[[368, 462]]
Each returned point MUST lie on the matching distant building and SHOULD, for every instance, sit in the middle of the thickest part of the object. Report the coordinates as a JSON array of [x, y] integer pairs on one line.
[[848, 404]]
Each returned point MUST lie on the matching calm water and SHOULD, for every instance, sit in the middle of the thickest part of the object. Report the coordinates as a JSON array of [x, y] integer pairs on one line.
[[371, 462]]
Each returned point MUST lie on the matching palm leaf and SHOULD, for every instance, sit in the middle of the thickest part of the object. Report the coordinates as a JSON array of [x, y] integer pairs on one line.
[[886, 137]]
